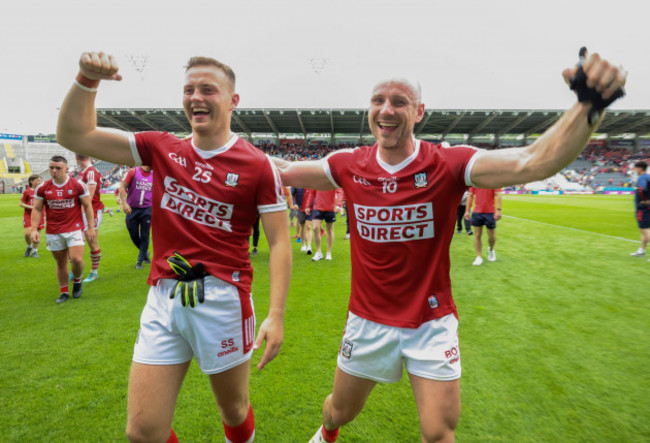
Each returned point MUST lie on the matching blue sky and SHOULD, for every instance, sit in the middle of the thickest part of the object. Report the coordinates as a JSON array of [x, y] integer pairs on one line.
[[474, 54]]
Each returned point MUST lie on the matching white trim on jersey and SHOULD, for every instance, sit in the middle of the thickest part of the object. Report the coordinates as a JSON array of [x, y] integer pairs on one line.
[[276, 207], [392, 169], [134, 150], [469, 166], [211, 153], [91, 176], [281, 204], [36, 190], [326, 166]]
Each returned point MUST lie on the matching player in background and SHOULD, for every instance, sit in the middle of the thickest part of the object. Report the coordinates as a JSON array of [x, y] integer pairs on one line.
[[324, 209], [487, 211], [297, 197], [93, 180], [207, 191], [27, 202], [460, 216], [403, 195], [305, 217], [642, 205], [63, 198], [135, 193]]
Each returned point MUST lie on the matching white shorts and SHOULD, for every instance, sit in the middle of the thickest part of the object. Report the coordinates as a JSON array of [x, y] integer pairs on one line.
[[99, 216], [219, 332], [59, 242], [375, 351]]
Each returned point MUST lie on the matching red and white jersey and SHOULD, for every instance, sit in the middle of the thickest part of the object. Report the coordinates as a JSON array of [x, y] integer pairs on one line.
[[483, 200], [28, 199], [91, 176], [205, 202], [307, 199], [401, 224], [323, 201], [62, 204]]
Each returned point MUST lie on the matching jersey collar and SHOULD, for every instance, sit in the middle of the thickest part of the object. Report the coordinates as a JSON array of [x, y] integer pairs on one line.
[[392, 169], [209, 154]]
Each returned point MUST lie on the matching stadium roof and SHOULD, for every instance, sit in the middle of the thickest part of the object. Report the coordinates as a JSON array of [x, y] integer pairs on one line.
[[437, 123]]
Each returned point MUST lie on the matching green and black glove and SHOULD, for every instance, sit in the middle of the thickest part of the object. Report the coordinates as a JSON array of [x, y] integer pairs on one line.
[[190, 280]]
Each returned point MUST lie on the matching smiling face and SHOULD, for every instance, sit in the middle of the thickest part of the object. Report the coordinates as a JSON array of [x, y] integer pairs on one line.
[[208, 100], [394, 110]]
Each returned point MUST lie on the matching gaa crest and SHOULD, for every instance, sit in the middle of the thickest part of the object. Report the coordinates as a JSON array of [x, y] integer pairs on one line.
[[232, 179], [346, 349], [421, 180]]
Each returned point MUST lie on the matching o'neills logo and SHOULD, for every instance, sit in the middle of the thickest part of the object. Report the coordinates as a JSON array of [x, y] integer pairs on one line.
[[382, 224], [196, 207], [228, 351]]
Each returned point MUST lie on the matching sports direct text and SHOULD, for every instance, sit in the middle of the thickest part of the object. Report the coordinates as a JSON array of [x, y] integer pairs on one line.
[[196, 207], [382, 224]]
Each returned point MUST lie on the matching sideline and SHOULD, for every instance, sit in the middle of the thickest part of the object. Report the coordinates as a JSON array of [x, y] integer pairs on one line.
[[572, 229]]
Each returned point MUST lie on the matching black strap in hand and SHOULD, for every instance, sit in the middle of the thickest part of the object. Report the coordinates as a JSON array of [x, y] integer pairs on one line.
[[587, 94]]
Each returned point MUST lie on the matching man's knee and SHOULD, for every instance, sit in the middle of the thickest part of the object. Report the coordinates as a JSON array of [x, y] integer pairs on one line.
[[433, 434], [234, 413], [141, 431]]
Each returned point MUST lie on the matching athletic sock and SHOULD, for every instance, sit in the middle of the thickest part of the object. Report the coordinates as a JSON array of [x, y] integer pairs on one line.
[[244, 433], [64, 289], [77, 280], [330, 436], [172, 437], [95, 256]]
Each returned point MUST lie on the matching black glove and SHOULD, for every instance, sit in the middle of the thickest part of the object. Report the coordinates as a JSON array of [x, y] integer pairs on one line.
[[190, 284], [587, 94]]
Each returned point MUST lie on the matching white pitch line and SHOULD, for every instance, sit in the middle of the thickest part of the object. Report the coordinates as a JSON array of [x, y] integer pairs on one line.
[[572, 229]]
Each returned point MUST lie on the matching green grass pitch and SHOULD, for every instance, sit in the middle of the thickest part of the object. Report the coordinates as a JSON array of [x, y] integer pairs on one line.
[[554, 338]]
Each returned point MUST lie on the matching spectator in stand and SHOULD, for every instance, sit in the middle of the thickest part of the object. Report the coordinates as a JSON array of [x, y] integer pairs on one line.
[[487, 211], [135, 193], [460, 216], [92, 178], [642, 205], [63, 197], [27, 202]]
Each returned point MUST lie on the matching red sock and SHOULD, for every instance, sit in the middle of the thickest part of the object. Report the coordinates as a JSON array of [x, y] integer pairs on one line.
[[243, 432], [95, 256], [64, 289], [77, 279], [330, 436], [172, 437]]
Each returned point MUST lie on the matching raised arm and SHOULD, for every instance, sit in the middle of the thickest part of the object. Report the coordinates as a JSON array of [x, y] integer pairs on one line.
[[303, 174], [77, 126], [560, 144]]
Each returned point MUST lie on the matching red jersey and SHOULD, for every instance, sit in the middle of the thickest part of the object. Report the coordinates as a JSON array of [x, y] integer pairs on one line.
[[323, 201], [308, 197], [63, 205], [28, 199], [401, 224], [205, 203], [91, 176], [483, 200]]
